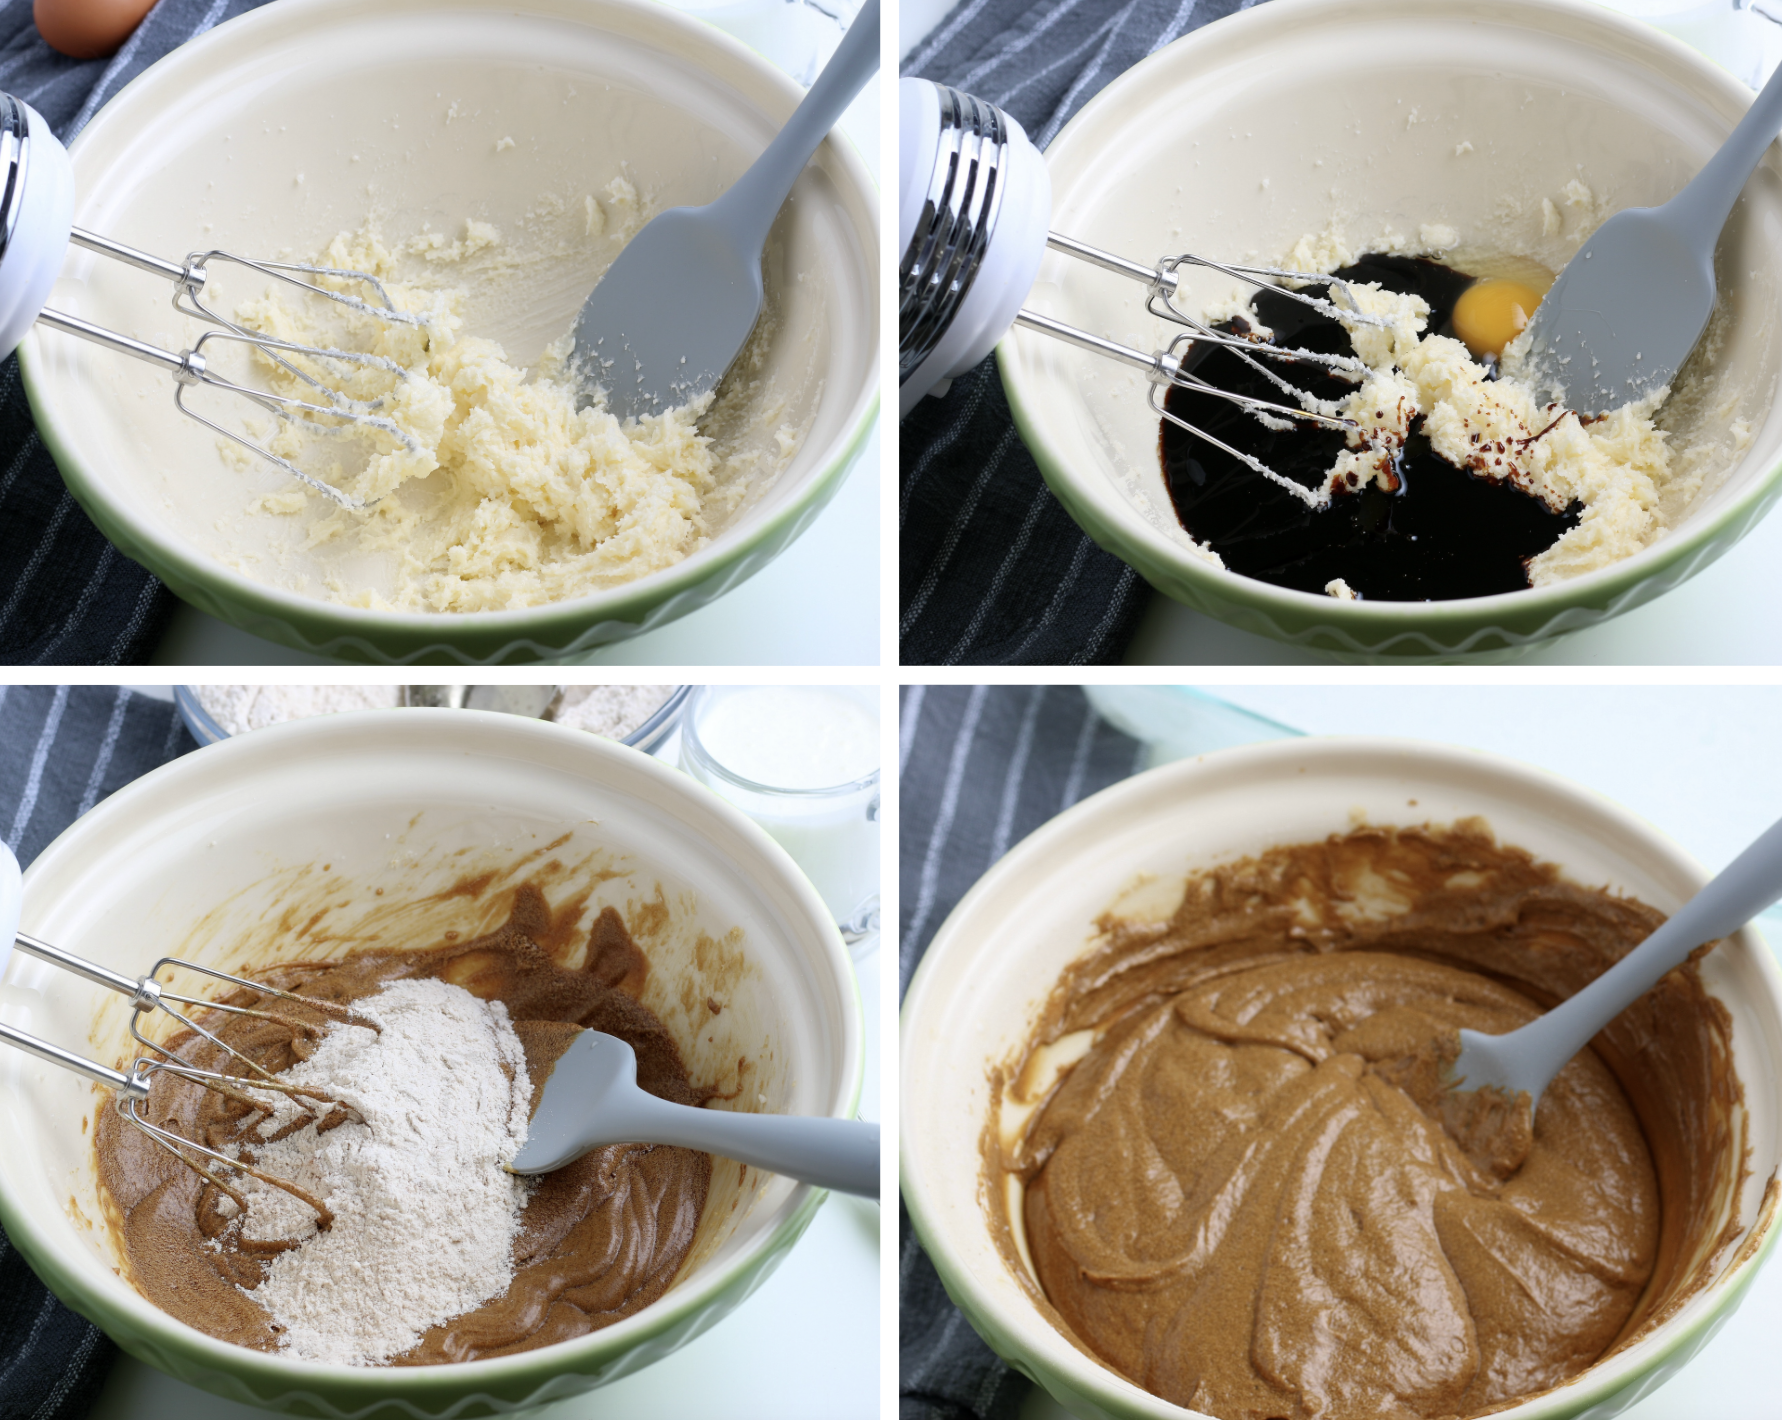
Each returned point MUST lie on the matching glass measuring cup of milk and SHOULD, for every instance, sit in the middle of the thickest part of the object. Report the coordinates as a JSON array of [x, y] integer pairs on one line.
[[803, 762]]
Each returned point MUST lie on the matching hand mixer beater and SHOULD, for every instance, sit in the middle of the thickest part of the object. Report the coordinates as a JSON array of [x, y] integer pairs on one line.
[[975, 205], [36, 229], [131, 1088]]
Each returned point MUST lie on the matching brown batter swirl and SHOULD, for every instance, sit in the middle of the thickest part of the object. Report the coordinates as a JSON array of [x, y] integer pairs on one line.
[[600, 1238], [1232, 1200]]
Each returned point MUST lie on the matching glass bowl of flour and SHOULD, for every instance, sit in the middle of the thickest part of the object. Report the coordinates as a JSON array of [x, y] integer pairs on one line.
[[642, 716]]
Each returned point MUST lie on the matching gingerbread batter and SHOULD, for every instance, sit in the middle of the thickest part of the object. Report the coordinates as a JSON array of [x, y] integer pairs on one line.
[[601, 1238], [1233, 1199]]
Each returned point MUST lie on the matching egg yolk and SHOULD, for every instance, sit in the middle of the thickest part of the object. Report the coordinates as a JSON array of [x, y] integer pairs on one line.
[[1491, 313]]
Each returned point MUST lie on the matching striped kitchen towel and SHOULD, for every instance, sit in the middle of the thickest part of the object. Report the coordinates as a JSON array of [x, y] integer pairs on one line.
[[993, 570], [67, 596], [62, 749], [980, 767]]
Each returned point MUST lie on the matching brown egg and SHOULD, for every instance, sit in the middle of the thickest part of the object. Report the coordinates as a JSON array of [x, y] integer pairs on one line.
[[88, 29]]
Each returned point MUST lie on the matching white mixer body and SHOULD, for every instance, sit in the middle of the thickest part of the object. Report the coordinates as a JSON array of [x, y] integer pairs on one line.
[[12, 897], [36, 216], [974, 206]]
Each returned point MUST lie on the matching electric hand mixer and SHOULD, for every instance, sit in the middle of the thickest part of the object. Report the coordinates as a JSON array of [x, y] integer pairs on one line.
[[975, 205], [36, 228], [131, 1088]]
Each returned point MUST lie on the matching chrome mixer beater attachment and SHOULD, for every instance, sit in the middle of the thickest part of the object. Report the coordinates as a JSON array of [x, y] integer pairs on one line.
[[975, 209], [131, 1088], [36, 229]]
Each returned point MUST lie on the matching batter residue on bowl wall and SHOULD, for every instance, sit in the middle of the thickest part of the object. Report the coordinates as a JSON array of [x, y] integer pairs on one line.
[[597, 1240], [1224, 1193], [505, 494]]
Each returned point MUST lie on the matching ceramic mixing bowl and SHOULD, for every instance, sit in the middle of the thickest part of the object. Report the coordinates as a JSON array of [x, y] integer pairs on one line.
[[215, 856], [1389, 116], [981, 986], [273, 133]]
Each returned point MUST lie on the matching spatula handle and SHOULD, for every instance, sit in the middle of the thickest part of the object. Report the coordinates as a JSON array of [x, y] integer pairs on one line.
[[1750, 883], [755, 199], [842, 1154], [1702, 207]]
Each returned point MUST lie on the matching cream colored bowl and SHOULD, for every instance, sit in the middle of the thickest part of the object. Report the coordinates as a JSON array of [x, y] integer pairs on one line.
[[1386, 117], [981, 986], [275, 132], [276, 845]]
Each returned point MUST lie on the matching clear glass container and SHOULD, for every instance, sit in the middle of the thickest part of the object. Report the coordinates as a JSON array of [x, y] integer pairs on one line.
[[797, 35], [831, 830]]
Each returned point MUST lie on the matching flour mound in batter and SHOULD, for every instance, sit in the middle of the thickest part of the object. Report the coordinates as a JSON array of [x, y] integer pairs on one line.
[[437, 1101], [508, 496], [407, 1274]]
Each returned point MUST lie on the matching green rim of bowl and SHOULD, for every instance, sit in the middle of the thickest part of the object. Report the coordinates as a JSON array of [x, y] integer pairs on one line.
[[1482, 628], [1112, 1400], [471, 1388], [1101, 1393], [544, 633], [497, 1386]]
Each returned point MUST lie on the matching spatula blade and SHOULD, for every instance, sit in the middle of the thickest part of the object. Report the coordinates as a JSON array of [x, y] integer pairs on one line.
[[1623, 315], [585, 1081], [669, 317]]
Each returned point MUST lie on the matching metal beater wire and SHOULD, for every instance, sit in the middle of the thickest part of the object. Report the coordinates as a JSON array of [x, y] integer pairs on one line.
[[177, 1144], [1165, 367], [190, 368], [327, 1008], [132, 1090]]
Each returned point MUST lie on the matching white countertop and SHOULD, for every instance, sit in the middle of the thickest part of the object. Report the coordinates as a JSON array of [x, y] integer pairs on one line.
[[1704, 764]]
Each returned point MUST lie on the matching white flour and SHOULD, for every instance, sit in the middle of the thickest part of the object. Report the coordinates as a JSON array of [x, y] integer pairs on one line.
[[424, 1215], [610, 710], [238, 708]]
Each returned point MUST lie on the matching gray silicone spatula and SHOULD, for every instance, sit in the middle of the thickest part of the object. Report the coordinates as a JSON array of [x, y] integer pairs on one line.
[[673, 312], [1629, 307], [1527, 1059], [592, 1098]]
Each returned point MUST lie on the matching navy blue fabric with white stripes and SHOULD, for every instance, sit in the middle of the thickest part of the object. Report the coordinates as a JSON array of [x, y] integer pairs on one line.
[[62, 750], [980, 768], [993, 570], [67, 596]]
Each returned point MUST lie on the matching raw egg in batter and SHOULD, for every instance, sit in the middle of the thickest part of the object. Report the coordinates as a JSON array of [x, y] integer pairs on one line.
[[1491, 313]]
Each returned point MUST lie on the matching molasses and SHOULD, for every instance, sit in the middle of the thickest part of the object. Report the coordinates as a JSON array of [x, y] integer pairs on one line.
[[1444, 533]]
